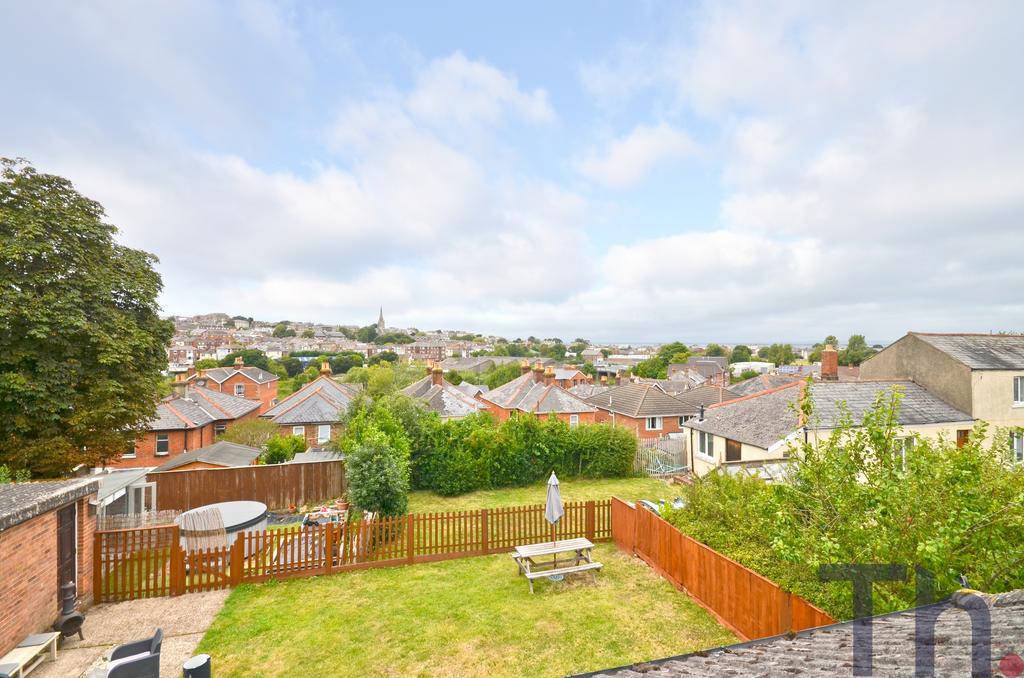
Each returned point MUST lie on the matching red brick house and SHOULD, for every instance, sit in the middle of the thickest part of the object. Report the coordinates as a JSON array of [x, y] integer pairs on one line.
[[188, 420], [567, 377], [535, 392], [441, 396], [314, 410], [241, 381], [46, 540], [645, 409]]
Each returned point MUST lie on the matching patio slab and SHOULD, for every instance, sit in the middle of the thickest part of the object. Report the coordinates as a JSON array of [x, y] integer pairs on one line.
[[184, 620]]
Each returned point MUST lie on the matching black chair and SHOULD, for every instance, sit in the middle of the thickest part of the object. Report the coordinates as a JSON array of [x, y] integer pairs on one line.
[[140, 659]]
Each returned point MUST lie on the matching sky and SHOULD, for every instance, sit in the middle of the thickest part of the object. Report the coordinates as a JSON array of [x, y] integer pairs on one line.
[[644, 171]]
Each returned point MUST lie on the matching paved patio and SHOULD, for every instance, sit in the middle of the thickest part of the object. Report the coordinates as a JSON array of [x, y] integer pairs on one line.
[[184, 620]]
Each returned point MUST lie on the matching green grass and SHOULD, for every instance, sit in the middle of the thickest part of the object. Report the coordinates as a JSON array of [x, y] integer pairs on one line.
[[572, 490], [467, 617]]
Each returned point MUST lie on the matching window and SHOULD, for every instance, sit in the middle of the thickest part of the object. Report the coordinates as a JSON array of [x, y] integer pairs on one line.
[[653, 423], [323, 433], [706, 444], [219, 428], [962, 436], [733, 450], [163, 444], [129, 453], [299, 431], [240, 390], [574, 420], [1018, 390], [684, 419], [1017, 446]]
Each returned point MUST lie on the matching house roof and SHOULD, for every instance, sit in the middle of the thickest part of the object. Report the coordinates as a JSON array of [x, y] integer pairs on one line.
[[706, 368], [639, 400], [761, 419], [20, 502], [467, 364], [222, 374], [672, 387], [198, 406], [917, 406], [720, 360], [828, 650], [221, 405], [472, 389], [526, 394], [321, 401], [707, 396], [221, 453], [449, 401], [980, 351], [761, 382], [586, 391]]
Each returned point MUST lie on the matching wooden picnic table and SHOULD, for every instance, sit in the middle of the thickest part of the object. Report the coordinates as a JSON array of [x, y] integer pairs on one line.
[[532, 561]]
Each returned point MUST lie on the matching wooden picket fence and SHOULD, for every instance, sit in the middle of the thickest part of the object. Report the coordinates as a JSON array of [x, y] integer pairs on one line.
[[741, 599], [146, 562]]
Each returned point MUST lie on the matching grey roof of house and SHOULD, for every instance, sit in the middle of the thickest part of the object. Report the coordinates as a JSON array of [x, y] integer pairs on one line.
[[720, 360], [198, 406], [761, 382], [706, 395], [466, 364], [472, 389], [321, 401], [586, 391], [706, 368], [670, 386], [221, 453], [760, 420], [639, 400], [222, 405], [917, 405], [526, 394], [828, 650], [980, 351], [221, 374], [20, 502], [447, 400]]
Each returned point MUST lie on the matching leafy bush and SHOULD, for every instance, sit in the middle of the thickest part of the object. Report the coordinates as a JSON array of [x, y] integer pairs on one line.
[[378, 476], [851, 499], [250, 432], [283, 448]]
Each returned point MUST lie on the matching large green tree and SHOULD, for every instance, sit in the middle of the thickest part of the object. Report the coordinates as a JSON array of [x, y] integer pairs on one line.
[[81, 340]]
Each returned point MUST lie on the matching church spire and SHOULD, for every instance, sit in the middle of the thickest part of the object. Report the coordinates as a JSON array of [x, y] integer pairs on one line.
[[380, 321]]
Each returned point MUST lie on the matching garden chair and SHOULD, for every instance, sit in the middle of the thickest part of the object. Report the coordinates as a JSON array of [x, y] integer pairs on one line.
[[140, 659]]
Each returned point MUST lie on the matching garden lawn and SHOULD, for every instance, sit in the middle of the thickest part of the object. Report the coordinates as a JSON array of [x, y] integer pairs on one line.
[[466, 617], [629, 489]]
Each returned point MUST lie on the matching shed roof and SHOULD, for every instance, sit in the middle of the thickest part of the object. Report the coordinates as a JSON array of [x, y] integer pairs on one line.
[[220, 453], [20, 502]]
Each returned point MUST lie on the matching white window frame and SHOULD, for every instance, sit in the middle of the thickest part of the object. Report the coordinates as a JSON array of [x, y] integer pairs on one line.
[[130, 454], [574, 420], [239, 387], [658, 423], [706, 445], [1018, 391], [321, 437], [167, 439], [299, 431], [1017, 447], [219, 428]]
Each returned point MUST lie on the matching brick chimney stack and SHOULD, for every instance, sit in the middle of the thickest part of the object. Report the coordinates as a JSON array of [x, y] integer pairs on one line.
[[829, 363], [604, 380], [549, 376], [538, 372], [436, 375], [239, 363], [524, 367], [325, 369]]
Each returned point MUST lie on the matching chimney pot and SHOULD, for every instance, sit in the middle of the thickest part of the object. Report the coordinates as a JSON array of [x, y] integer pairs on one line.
[[325, 369], [829, 363], [549, 375], [239, 362], [524, 367], [436, 375]]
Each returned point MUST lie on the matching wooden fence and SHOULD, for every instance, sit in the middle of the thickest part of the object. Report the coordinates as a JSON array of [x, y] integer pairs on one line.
[[145, 562], [744, 601], [276, 485]]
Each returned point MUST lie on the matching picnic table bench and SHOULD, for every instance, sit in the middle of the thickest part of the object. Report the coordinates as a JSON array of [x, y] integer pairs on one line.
[[526, 558], [29, 654]]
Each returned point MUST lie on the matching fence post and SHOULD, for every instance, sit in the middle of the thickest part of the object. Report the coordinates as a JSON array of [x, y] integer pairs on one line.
[[786, 612], [634, 513], [236, 561], [329, 548], [590, 520], [411, 537], [177, 563], [483, 531], [97, 567]]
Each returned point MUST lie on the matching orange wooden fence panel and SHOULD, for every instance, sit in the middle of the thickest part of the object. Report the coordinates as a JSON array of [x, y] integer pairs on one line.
[[151, 562], [743, 600]]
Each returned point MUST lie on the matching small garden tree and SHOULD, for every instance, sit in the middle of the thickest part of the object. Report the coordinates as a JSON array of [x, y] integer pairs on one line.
[[283, 448], [378, 476], [250, 432]]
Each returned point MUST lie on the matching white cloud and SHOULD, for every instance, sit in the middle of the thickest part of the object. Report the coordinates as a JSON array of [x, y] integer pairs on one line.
[[626, 161]]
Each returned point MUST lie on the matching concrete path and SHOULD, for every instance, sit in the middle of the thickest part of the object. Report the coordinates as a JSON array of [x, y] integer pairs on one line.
[[184, 620]]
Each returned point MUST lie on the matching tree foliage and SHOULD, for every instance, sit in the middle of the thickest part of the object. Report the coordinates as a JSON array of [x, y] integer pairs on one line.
[[282, 330], [283, 448], [740, 354], [855, 498], [250, 432], [81, 341], [251, 356]]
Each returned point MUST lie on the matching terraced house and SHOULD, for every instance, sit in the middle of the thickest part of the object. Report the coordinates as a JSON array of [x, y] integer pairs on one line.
[[313, 411], [535, 392], [241, 381], [980, 374], [443, 397], [644, 409]]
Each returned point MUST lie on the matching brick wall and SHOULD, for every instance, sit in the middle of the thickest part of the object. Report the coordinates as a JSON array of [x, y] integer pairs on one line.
[[265, 393], [311, 432], [669, 424], [28, 574]]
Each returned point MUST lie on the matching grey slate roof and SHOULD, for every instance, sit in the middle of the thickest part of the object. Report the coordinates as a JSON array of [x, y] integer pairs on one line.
[[466, 364], [706, 395], [221, 453], [222, 374], [449, 401], [828, 650], [221, 405], [321, 401], [917, 406], [980, 351], [198, 406], [761, 419], [761, 382], [524, 393], [586, 391], [472, 389], [672, 387], [639, 400], [20, 502]]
